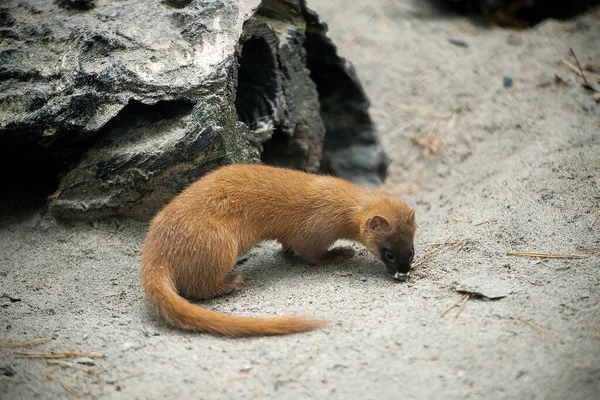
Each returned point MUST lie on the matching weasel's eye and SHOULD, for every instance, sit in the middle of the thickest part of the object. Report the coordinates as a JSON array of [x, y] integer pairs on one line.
[[389, 255]]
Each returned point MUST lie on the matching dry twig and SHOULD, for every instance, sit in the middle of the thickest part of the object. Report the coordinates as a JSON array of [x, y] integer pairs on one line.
[[580, 70], [434, 145], [594, 330], [71, 389], [23, 344], [45, 375], [431, 283], [424, 113], [458, 218], [240, 378], [535, 326], [591, 75], [544, 255], [420, 358], [59, 354], [463, 305], [86, 368], [590, 250], [444, 247], [591, 67], [445, 133], [596, 211], [306, 363], [457, 302], [431, 253]]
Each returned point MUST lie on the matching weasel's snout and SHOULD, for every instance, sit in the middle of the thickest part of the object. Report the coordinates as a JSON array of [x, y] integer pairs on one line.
[[403, 277]]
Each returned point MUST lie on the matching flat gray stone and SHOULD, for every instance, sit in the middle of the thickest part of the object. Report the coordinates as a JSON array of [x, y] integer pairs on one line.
[[484, 285]]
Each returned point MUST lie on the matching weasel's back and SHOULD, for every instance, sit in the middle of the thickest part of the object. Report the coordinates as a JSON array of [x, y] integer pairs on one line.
[[255, 184]]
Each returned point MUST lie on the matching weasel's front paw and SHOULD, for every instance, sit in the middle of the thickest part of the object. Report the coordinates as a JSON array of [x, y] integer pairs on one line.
[[234, 281], [338, 254]]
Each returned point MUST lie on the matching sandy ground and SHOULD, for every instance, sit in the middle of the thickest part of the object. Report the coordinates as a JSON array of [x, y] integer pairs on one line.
[[518, 171]]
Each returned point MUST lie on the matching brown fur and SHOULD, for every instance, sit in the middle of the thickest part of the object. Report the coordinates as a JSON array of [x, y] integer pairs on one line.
[[193, 243]]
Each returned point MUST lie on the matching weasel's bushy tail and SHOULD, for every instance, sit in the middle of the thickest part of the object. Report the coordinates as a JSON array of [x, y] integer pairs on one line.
[[160, 290]]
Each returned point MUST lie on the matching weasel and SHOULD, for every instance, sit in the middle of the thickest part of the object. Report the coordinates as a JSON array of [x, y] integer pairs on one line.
[[193, 243]]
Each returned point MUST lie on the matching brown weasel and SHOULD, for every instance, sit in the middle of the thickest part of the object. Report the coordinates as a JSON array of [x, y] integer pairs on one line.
[[194, 242]]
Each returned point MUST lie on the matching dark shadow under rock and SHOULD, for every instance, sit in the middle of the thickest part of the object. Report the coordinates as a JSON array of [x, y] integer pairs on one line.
[[522, 13]]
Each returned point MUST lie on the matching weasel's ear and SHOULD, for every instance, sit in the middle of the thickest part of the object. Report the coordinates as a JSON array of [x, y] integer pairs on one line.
[[377, 222], [411, 217]]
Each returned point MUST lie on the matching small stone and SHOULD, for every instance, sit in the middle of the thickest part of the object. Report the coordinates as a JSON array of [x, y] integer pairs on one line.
[[458, 42], [514, 40], [507, 81], [262, 352], [84, 361], [7, 371], [149, 332], [128, 345], [339, 366], [484, 285], [581, 25]]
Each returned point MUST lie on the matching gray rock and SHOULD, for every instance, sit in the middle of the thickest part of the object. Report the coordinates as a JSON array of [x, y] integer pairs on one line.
[[484, 285], [129, 102]]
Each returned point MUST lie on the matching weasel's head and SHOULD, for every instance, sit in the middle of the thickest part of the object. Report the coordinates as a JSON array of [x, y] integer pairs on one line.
[[388, 233]]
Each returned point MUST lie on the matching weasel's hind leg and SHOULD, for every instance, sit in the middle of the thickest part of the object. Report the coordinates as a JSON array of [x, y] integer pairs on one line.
[[210, 258], [232, 282]]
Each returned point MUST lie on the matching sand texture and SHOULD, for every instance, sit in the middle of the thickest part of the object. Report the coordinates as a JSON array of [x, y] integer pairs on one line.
[[517, 171]]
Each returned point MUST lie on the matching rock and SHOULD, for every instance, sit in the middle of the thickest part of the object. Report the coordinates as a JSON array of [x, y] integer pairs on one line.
[[117, 106], [84, 361], [7, 371], [514, 39], [458, 42], [484, 285]]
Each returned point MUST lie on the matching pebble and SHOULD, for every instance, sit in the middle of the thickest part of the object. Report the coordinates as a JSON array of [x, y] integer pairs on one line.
[[514, 40], [84, 361], [128, 345], [458, 42]]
